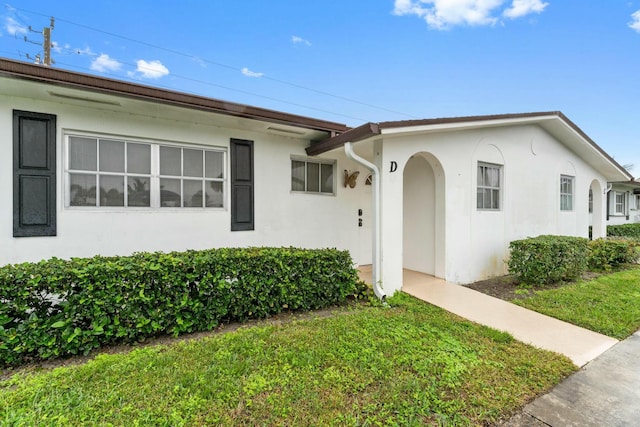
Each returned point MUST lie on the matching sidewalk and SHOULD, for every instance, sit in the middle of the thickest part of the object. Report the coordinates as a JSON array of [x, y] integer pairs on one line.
[[605, 393]]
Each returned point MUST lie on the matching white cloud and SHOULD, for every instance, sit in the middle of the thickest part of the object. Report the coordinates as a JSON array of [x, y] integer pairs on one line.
[[150, 69], [444, 14], [13, 27], [521, 8], [247, 72], [300, 40], [635, 23], [104, 63]]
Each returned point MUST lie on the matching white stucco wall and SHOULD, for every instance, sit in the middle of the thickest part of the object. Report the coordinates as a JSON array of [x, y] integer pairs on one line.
[[282, 218], [474, 242]]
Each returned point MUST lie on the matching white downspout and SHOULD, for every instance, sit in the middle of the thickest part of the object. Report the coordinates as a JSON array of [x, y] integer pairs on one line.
[[376, 238], [609, 187]]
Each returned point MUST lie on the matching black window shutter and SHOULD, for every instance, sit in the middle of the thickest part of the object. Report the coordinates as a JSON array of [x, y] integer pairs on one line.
[[34, 174], [242, 212]]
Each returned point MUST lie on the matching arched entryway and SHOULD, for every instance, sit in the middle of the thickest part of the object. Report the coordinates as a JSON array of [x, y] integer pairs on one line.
[[423, 215]]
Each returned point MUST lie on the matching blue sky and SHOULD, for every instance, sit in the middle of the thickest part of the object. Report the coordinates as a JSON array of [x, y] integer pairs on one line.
[[355, 61]]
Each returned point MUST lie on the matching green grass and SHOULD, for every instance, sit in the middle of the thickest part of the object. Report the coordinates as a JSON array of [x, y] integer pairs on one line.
[[609, 304], [412, 364]]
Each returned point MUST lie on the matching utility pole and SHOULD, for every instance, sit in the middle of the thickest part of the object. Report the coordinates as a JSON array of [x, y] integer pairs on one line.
[[46, 45]]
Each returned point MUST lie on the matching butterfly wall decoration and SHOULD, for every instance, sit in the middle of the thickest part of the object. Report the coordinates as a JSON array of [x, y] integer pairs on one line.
[[350, 178]]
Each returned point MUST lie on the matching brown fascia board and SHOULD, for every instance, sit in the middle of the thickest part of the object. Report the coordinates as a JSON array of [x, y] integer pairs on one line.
[[464, 119], [560, 115], [352, 135], [367, 130], [361, 132], [596, 146], [71, 79]]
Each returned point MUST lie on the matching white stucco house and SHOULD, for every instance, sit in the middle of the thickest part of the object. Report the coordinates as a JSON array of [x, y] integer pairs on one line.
[[99, 166]]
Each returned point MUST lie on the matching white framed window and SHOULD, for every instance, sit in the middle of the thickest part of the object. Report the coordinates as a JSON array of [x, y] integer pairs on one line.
[[118, 172], [566, 192], [313, 176], [191, 177], [590, 201], [489, 186], [620, 203]]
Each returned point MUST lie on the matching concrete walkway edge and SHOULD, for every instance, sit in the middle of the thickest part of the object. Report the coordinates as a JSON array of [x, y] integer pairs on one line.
[[578, 344], [605, 392]]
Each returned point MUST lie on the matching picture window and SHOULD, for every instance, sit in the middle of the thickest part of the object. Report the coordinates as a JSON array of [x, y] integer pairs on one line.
[[113, 172]]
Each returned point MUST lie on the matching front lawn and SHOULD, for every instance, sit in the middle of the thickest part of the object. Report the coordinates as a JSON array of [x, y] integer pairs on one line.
[[412, 364], [609, 304]]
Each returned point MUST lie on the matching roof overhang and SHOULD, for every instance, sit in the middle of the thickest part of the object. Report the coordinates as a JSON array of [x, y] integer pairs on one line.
[[74, 86], [628, 185], [555, 123]]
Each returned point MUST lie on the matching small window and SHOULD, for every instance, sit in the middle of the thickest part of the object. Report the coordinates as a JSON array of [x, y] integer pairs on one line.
[[489, 183], [566, 193], [312, 176], [590, 201], [620, 207]]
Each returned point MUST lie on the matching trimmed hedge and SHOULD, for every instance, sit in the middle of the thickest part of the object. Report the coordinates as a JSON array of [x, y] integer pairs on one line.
[[57, 307], [607, 254], [547, 259], [624, 230]]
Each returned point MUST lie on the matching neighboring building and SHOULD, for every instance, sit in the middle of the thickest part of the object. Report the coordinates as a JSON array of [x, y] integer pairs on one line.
[[99, 166], [623, 203]]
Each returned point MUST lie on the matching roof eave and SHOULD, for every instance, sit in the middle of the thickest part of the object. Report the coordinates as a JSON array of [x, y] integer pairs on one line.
[[353, 135], [70, 79], [625, 173]]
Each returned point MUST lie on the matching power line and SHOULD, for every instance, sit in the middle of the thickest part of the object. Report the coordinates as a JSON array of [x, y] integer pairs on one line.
[[230, 67], [227, 88]]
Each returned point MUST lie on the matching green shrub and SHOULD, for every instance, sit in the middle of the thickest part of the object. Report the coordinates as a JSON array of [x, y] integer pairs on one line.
[[606, 254], [57, 308], [631, 231], [547, 259]]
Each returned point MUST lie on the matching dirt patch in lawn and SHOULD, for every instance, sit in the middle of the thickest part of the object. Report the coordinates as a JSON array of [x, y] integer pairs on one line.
[[508, 288]]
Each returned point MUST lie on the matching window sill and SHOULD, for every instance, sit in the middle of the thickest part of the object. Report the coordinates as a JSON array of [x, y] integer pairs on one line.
[[311, 193], [119, 210]]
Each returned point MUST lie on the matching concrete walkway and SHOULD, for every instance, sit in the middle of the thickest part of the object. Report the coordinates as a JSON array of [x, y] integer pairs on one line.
[[579, 344], [605, 392]]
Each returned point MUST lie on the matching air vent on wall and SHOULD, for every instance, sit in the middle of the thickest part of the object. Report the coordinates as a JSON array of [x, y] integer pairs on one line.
[[284, 130], [83, 98]]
